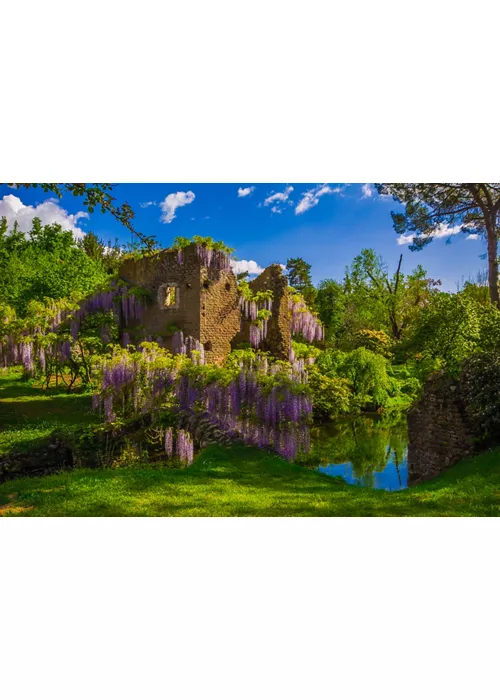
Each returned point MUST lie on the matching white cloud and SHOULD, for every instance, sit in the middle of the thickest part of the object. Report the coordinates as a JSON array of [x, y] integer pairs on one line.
[[367, 191], [49, 212], [245, 191], [173, 202], [311, 197], [441, 231], [472, 237], [249, 266], [144, 205], [277, 199]]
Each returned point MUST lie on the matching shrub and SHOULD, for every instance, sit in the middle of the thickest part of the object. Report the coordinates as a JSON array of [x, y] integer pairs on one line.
[[331, 395], [368, 374], [411, 386], [480, 385], [329, 361], [377, 341]]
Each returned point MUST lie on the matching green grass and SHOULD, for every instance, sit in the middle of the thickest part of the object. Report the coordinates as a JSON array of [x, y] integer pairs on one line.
[[28, 414], [241, 481], [235, 481]]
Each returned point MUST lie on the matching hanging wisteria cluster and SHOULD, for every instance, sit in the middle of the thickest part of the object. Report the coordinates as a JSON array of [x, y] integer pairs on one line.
[[27, 345], [213, 258], [135, 383], [180, 445], [304, 323], [260, 403], [44, 343], [299, 364], [117, 300], [257, 311], [189, 346]]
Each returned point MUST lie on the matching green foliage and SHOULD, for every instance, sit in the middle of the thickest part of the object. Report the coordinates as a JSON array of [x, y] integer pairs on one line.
[[331, 395], [377, 341], [299, 277], [331, 303], [370, 379], [245, 291], [381, 301], [480, 387], [471, 208], [96, 197], [303, 351], [368, 375], [110, 256], [45, 263], [455, 326], [205, 241], [329, 361]]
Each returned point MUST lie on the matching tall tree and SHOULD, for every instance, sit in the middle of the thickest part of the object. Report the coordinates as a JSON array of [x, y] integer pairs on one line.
[[392, 301], [45, 262], [472, 208], [299, 277], [331, 304]]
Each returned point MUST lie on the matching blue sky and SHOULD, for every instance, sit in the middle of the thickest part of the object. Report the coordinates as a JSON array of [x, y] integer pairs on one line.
[[327, 224]]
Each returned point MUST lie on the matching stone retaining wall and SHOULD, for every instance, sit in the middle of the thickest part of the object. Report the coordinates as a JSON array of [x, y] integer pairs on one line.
[[438, 429]]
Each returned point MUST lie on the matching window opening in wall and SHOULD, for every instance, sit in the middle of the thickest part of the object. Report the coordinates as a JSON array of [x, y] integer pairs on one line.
[[207, 345], [168, 296]]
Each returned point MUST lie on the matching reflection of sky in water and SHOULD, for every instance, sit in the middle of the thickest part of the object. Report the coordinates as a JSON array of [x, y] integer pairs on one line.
[[391, 478]]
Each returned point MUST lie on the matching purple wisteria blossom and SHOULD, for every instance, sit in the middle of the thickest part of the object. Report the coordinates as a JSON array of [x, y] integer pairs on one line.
[[304, 323]]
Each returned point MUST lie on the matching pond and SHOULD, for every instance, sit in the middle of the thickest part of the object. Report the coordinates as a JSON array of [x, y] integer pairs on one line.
[[369, 450]]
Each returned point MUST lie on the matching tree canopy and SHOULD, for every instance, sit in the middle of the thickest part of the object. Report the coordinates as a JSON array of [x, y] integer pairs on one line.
[[471, 208], [43, 263], [299, 277], [390, 302]]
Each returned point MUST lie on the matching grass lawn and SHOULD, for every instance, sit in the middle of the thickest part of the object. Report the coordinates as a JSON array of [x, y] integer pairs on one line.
[[28, 414], [236, 481], [241, 481]]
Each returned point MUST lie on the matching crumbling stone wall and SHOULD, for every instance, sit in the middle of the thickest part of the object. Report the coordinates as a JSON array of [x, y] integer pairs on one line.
[[438, 429], [219, 313], [150, 273], [278, 340], [207, 307]]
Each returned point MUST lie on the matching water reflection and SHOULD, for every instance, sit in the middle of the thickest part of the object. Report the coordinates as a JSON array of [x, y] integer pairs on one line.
[[367, 450]]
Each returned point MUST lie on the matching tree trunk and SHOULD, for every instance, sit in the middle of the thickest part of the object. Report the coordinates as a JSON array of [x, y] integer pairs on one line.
[[493, 264]]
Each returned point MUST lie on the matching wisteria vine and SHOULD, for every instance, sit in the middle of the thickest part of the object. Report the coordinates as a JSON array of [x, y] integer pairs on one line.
[[304, 322], [261, 403]]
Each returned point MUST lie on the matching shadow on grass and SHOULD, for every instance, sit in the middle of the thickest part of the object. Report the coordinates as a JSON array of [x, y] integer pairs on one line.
[[246, 482]]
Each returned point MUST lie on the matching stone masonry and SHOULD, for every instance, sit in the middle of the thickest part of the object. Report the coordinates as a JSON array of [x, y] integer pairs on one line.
[[438, 430], [202, 302], [278, 340]]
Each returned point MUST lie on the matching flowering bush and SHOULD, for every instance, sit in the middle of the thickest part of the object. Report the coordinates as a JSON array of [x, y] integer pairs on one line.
[[59, 338], [261, 403]]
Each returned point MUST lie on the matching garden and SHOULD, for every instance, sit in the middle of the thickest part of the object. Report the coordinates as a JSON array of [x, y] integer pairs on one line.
[[100, 417]]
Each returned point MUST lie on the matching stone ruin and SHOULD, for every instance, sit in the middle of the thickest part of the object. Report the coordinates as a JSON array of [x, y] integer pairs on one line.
[[195, 291], [439, 430]]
